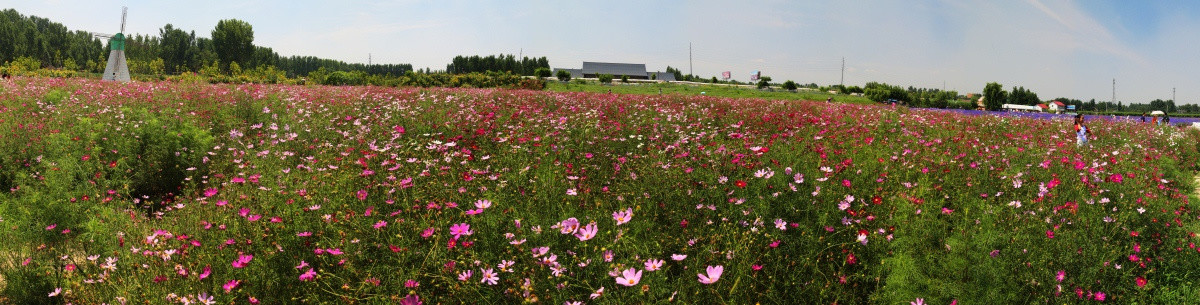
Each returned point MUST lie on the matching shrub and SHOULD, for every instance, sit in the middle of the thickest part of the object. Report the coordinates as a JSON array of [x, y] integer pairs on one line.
[[605, 78], [789, 85], [541, 72], [563, 75], [624, 78]]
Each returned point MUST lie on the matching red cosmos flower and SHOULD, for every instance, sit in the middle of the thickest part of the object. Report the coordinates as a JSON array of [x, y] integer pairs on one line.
[[850, 259], [740, 183], [1140, 281], [877, 200]]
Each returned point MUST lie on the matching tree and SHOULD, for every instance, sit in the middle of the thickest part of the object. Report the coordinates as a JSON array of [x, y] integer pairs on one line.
[[789, 85], [563, 75], [233, 41], [624, 78], [605, 78], [542, 72], [993, 96], [178, 49]]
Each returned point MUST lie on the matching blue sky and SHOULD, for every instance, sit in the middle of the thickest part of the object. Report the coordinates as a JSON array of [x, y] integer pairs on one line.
[[1056, 48]]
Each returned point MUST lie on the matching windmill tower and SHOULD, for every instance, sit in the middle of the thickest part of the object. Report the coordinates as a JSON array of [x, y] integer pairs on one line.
[[117, 68]]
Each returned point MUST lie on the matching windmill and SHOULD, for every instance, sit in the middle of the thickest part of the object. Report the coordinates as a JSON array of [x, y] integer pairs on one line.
[[117, 69]]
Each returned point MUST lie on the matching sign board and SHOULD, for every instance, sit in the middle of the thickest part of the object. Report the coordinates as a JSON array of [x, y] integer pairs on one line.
[[726, 75], [754, 75], [1070, 107]]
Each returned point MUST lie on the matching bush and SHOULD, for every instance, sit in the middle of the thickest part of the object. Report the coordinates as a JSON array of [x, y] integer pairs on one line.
[[605, 78], [563, 75], [541, 72], [624, 78], [342, 78], [789, 85]]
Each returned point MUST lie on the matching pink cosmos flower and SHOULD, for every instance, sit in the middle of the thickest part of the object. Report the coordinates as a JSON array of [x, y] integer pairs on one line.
[[653, 264], [623, 216], [489, 277], [242, 260], [465, 275], [678, 257], [483, 204], [919, 301], [568, 226], [587, 232], [629, 277], [308, 275], [598, 293], [1060, 276], [380, 224], [411, 299], [459, 230], [231, 285], [1140, 281], [361, 194], [206, 272], [713, 274]]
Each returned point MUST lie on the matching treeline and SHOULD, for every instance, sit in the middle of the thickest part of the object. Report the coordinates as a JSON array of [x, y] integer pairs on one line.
[[172, 51], [914, 97], [496, 63], [995, 96], [47, 42]]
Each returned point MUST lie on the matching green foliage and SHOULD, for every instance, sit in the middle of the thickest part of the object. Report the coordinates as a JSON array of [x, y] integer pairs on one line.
[[994, 96], [624, 78], [342, 78], [762, 83], [1022, 96], [233, 41], [563, 75], [542, 72], [789, 85], [496, 63], [605, 78], [881, 92]]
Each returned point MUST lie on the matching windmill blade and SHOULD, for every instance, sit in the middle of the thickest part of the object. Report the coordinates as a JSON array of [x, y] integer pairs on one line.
[[101, 35], [124, 11]]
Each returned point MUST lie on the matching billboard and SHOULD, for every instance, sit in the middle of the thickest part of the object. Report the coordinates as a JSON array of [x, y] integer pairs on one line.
[[726, 75], [754, 75]]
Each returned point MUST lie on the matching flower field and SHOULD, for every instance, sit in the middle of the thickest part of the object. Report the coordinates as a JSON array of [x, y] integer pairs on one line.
[[170, 193]]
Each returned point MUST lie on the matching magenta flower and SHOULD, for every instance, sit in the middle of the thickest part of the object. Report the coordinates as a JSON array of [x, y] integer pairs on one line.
[[411, 284], [678, 257], [242, 260], [713, 274], [231, 285], [206, 272], [629, 277], [411, 299], [1060, 276], [308, 275], [623, 216], [587, 232], [459, 230], [361, 194], [380, 224]]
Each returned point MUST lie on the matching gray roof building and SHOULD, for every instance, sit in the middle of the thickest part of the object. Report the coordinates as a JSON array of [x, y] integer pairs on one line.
[[634, 71], [664, 76]]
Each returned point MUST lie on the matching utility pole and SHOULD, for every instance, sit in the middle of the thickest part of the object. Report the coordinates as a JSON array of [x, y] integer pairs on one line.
[[690, 71], [1114, 95], [843, 82], [368, 59], [1172, 94], [522, 54]]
